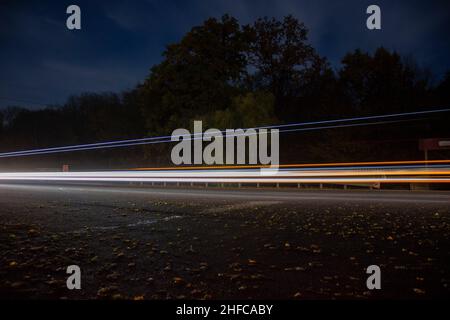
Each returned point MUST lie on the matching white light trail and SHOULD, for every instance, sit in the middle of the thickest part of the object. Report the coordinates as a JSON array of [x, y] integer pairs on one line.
[[313, 175], [291, 127]]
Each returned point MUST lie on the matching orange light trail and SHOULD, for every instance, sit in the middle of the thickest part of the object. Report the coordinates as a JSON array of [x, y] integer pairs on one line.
[[300, 165], [349, 176]]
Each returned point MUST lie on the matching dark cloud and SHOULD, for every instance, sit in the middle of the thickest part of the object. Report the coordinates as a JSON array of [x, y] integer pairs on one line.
[[42, 62]]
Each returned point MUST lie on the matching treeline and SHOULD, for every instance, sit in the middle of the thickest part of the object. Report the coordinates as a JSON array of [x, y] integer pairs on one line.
[[233, 75]]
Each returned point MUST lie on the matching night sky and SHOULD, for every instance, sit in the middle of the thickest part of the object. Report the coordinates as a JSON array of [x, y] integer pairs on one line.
[[42, 62]]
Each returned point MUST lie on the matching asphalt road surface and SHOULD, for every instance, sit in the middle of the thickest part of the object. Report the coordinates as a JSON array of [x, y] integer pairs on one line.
[[174, 243]]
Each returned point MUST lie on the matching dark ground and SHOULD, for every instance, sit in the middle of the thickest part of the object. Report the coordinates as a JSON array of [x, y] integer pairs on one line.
[[215, 244]]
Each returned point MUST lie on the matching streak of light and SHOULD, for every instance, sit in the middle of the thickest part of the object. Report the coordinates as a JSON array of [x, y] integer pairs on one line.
[[167, 138], [418, 175], [30, 153], [328, 164], [240, 180], [227, 173]]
